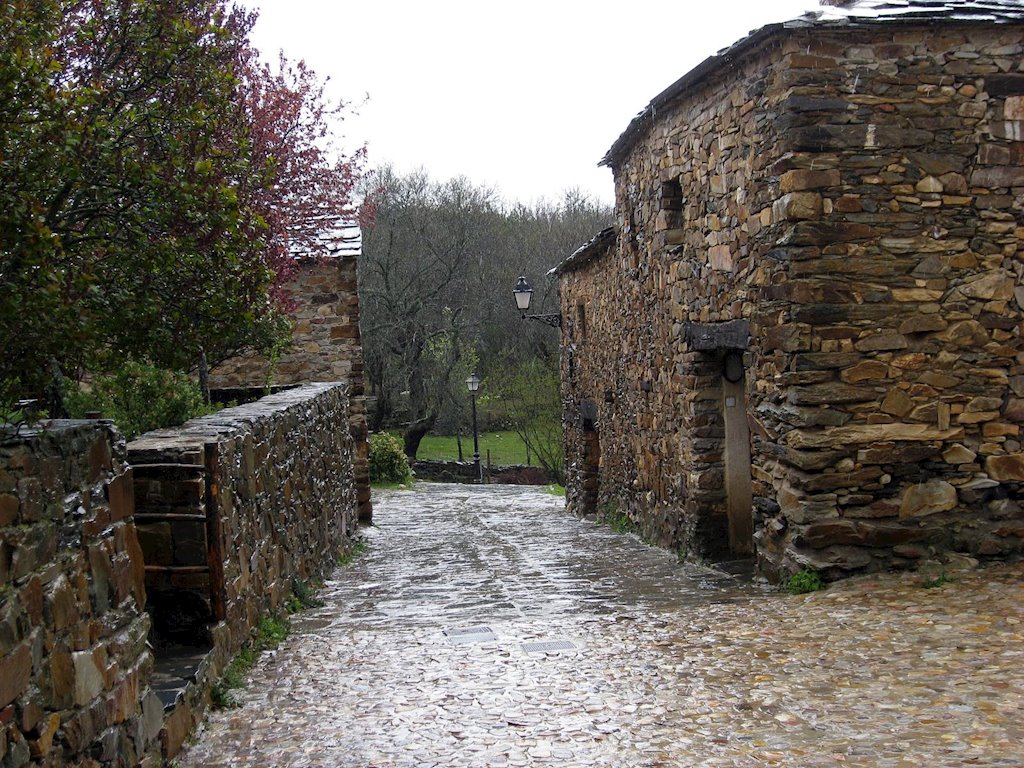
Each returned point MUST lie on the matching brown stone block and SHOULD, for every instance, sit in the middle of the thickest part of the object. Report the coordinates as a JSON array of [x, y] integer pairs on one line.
[[865, 371], [828, 393], [827, 360], [9, 506], [977, 417], [882, 342], [797, 206], [826, 233], [870, 433], [829, 532], [998, 176], [839, 480], [923, 324], [965, 333], [928, 413], [995, 285], [810, 61], [789, 337], [830, 314], [928, 498], [1007, 468], [897, 403], [881, 535], [999, 429], [15, 673], [121, 496], [881, 508], [802, 179], [40, 746], [176, 729], [938, 380], [811, 460]]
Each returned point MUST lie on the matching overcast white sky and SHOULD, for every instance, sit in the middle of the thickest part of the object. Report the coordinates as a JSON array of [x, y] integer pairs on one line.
[[526, 96]]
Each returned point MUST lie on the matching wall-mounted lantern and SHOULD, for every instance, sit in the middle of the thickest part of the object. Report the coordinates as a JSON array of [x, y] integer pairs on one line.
[[524, 294]]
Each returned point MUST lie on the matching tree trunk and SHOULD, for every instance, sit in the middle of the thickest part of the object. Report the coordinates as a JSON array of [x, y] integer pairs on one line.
[[204, 377], [414, 434]]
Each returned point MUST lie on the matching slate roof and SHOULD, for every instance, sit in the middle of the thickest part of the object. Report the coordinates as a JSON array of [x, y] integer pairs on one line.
[[343, 238], [832, 14], [586, 252]]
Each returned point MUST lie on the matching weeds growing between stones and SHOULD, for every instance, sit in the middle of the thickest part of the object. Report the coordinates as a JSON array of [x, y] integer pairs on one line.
[[804, 581]]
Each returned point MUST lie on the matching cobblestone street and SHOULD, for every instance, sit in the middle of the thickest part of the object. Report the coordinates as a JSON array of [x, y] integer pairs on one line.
[[486, 627]]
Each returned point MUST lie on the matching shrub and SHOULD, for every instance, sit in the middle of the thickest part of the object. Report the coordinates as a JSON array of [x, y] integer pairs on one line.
[[804, 581], [140, 397], [388, 463]]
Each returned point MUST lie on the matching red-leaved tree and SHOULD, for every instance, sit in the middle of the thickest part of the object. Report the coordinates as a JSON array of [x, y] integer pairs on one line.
[[303, 186]]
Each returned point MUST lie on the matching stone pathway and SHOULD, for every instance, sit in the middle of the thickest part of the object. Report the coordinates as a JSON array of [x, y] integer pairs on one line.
[[427, 653]]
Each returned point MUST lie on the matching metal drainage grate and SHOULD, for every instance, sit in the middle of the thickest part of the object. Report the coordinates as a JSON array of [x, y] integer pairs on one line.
[[470, 635], [549, 645]]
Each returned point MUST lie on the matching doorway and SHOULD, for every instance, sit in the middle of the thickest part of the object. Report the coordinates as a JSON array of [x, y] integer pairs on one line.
[[591, 474], [736, 455]]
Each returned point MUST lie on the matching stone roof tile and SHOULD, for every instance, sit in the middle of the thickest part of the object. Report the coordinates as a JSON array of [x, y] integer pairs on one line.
[[832, 14]]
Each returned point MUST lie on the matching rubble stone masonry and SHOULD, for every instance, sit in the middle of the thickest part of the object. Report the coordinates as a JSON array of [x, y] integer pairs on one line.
[[856, 195], [188, 534], [74, 662]]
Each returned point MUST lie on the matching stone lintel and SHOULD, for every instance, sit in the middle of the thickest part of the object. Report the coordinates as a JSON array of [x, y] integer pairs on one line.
[[733, 334]]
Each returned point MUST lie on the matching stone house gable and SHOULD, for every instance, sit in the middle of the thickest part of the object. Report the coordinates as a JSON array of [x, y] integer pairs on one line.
[[803, 341]]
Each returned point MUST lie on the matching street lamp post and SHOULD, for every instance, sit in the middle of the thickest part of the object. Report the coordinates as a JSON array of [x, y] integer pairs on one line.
[[473, 383], [524, 293]]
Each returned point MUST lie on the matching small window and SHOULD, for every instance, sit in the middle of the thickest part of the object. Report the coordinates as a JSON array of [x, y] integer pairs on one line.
[[671, 195], [581, 320], [670, 205]]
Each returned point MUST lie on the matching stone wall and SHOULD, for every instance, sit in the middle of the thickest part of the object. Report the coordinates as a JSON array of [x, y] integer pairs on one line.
[[856, 195], [271, 492], [465, 472], [74, 664], [107, 566], [326, 346]]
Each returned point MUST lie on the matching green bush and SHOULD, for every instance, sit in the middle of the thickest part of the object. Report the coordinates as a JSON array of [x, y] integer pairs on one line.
[[140, 397], [388, 463], [804, 581]]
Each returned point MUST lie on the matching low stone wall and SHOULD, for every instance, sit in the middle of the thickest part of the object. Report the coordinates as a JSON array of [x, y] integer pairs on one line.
[[101, 562], [465, 472], [74, 664], [234, 508]]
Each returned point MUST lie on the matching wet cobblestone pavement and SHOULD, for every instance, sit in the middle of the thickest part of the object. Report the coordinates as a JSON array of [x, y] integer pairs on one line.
[[429, 652]]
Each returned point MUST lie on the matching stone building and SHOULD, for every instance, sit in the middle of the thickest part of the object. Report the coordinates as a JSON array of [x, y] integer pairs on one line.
[[802, 338], [326, 344]]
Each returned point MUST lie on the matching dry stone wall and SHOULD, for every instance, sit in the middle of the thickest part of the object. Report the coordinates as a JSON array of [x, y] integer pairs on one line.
[[74, 663], [277, 493], [856, 195], [99, 543]]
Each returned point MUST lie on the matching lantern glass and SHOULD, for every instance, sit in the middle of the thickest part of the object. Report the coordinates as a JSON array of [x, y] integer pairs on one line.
[[473, 382], [523, 293]]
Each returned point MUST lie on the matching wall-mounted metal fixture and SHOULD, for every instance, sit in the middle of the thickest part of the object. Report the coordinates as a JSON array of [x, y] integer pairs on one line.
[[732, 366], [524, 293]]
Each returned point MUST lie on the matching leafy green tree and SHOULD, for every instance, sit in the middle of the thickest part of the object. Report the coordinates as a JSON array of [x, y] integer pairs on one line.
[[153, 174], [530, 391]]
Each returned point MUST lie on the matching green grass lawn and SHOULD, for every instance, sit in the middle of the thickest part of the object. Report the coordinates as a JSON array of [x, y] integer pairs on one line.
[[505, 447]]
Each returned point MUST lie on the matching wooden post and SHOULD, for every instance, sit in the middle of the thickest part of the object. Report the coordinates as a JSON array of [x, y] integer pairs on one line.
[[214, 532]]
